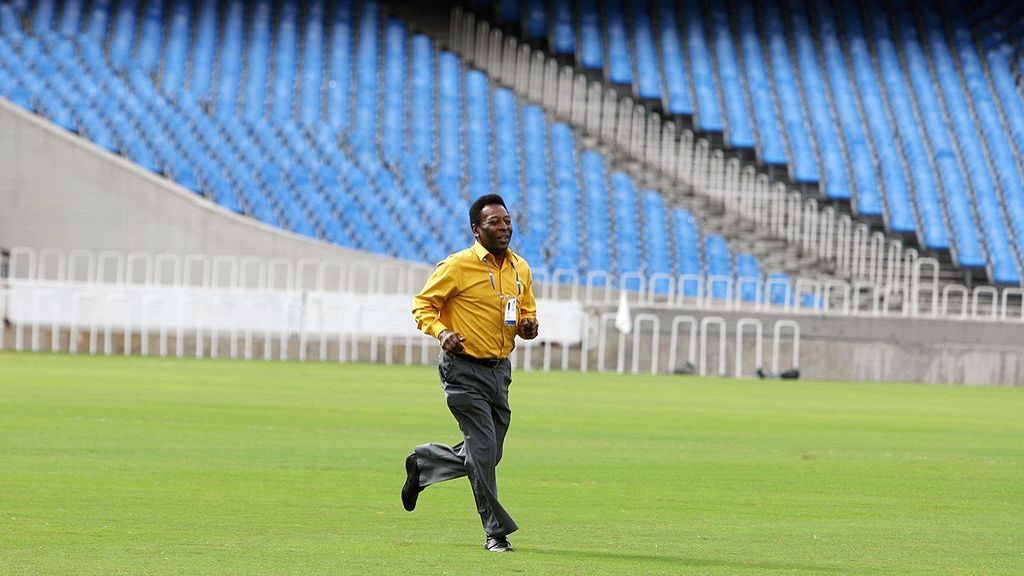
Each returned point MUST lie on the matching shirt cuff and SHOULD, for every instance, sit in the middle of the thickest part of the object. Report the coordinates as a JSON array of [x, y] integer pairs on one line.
[[436, 330]]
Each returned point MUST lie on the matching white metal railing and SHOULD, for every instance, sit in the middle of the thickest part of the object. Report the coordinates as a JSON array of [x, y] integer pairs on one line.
[[912, 290], [205, 322], [640, 351], [142, 304], [221, 271], [131, 319]]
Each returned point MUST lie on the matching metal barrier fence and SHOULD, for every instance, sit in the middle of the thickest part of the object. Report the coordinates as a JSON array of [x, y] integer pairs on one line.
[[111, 319], [918, 293], [204, 271], [202, 306]]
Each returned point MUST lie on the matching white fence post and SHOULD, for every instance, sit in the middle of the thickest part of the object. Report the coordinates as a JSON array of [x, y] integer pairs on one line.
[[275, 267], [706, 323], [90, 266], [43, 267], [947, 291], [638, 323], [686, 280], [777, 343], [22, 256], [740, 341], [993, 298], [1005, 308], [3, 316], [727, 300], [148, 303], [606, 319], [76, 306], [37, 299], [119, 267], [860, 285], [844, 290], [641, 282], [691, 357], [915, 285], [176, 269], [252, 268], [667, 281], [607, 282], [108, 325], [147, 268]]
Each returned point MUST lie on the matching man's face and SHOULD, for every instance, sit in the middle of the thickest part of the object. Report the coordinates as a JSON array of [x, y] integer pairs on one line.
[[494, 230]]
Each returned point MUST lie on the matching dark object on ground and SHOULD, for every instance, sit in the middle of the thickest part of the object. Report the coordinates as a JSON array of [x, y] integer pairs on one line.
[[791, 374], [686, 370]]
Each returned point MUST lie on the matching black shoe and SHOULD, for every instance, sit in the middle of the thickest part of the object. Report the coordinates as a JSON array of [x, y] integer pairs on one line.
[[497, 544], [411, 490]]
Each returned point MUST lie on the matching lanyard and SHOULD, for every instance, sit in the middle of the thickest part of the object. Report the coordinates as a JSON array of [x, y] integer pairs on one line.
[[519, 285]]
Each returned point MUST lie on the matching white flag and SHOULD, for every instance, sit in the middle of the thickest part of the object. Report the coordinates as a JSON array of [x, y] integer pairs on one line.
[[623, 318]]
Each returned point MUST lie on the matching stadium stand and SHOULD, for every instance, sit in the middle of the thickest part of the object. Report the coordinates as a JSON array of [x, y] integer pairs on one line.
[[335, 122], [910, 115]]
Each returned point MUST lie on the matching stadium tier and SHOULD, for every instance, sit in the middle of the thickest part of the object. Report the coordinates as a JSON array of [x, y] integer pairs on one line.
[[335, 122], [898, 107]]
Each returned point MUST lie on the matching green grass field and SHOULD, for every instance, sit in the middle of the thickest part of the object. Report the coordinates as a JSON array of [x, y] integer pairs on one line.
[[159, 466]]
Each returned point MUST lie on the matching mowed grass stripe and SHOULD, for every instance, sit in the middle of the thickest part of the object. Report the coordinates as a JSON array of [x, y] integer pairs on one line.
[[164, 466]]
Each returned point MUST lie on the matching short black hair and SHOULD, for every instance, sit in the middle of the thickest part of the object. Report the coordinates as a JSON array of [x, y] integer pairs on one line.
[[478, 206]]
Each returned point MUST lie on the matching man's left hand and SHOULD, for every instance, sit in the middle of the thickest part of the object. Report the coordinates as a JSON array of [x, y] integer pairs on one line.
[[528, 328]]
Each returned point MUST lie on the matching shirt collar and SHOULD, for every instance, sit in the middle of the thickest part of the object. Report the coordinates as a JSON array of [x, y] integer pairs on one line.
[[481, 253]]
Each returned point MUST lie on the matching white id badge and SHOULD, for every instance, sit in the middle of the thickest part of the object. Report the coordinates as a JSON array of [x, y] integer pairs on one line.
[[511, 311]]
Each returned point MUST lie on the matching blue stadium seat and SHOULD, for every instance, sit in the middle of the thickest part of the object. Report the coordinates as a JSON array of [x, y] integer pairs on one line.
[[656, 225], [739, 133], [803, 165], [647, 78], [596, 203], [71, 18], [567, 199], [933, 227], [563, 31], [506, 11], [627, 237], [718, 259], [535, 19], [748, 277], [708, 112], [779, 289], [619, 69], [591, 50], [688, 244], [673, 64], [508, 147], [831, 160], [770, 146]]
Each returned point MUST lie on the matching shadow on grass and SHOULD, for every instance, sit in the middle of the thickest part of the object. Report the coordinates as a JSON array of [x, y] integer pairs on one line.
[[689, 561]]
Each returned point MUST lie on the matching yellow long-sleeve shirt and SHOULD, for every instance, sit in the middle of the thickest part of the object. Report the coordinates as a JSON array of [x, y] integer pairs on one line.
[[467, 293]]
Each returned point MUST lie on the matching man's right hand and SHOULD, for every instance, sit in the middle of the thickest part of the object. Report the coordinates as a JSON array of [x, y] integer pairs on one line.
[[451, 341]]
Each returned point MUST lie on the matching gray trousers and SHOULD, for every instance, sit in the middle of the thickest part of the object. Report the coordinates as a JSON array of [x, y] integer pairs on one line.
[[478, 398]]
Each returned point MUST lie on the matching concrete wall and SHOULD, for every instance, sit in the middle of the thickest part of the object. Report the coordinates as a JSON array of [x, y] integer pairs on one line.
[[60, 191]]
